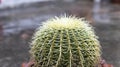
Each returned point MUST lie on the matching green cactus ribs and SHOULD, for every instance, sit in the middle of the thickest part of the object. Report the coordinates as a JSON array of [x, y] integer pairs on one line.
[[65, 42]]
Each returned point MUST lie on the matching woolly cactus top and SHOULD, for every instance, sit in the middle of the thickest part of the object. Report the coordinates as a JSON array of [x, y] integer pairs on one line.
[[64, 22], [65, 42]]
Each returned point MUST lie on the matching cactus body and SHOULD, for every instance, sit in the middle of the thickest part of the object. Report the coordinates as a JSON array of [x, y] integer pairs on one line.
[[65, 42]]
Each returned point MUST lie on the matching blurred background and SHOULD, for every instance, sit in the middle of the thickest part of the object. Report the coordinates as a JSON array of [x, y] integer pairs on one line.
[[20, 18]]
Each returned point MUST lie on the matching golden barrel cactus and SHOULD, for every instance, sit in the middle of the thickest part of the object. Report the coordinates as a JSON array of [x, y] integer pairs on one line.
[[65, 42]]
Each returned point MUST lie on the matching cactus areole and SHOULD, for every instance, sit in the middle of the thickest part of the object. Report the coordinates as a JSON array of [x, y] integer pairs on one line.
[[65, 42]]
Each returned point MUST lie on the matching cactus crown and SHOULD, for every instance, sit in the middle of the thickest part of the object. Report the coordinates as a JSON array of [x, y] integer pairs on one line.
[[65, 22], [65, 42]]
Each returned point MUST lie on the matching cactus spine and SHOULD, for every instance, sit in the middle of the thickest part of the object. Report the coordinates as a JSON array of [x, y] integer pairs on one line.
[[65, 42]]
